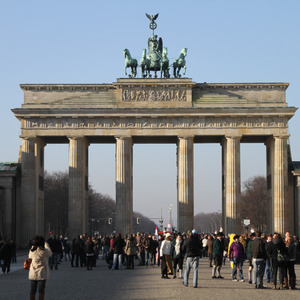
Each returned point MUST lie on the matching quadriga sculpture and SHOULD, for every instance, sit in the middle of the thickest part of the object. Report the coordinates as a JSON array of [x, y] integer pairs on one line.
[[130, 63], [145, 64], [164, 64], [180, 63]]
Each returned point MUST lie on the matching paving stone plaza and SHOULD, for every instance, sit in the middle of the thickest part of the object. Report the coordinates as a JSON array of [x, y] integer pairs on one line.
[[68, 283]]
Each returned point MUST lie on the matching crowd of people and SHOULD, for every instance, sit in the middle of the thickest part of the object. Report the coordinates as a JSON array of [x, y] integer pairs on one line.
[[270, 257]]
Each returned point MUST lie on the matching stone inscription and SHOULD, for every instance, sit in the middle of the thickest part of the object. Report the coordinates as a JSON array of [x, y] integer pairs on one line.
[[156, 122], [139, 95]]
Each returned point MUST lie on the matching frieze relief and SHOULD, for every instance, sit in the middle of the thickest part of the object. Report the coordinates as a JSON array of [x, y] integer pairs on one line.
[[150, 95], [155, 122]]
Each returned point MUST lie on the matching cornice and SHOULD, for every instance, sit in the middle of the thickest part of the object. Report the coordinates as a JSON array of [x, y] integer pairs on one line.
[[67, 87], [245, 85]]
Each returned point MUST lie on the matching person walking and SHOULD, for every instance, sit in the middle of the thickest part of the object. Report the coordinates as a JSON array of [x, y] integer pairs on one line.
[[40, 252], [165, 256], [130, 251], [178, 255], [259, 255], [118, 246], [217, 256], [6, 254], [192, 246], [237, 255], [275, 247]]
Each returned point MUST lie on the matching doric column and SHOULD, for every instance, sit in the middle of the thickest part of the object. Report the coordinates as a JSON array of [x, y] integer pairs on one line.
[[124, 198], [8, 217], [281, 205], [32, 195], [232, 182], [78, 186], [297, 205], [270, 184], [39, 186], [185, 182]]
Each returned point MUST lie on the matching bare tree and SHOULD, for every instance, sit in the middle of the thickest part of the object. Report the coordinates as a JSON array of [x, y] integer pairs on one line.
[[208, 222], [56, 202], [102, 209], [254, 203]]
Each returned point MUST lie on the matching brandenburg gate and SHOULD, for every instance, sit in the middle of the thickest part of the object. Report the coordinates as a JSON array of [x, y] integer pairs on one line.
[[153, 110]]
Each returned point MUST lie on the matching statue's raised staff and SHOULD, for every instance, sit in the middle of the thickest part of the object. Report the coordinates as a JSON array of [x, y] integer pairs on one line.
[[179, 63], [130, 63]]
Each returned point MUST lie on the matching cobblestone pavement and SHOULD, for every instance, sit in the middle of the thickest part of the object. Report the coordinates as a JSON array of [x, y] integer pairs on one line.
[[141, 283]]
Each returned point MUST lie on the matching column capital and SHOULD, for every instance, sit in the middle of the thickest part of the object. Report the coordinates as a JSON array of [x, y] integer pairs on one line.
[[123, 137], [186, 137], [282, 136], [233, 137]]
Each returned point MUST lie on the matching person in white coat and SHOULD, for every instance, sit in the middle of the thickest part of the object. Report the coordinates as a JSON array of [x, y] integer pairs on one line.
[[39, 268]]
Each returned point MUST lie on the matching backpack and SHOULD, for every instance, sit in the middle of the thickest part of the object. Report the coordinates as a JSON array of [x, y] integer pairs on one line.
[[282, 257]]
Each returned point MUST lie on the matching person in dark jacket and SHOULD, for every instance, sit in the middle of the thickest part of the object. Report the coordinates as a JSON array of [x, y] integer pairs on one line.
[[273, 248], [56, 248], [259, 255], [192, 246], [217, 256], [249, 256], [118, 246], [6, 253], [90, 253]]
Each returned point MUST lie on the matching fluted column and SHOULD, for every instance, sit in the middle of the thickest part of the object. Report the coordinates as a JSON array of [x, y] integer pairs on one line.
[[185, 182], [297, 200], [124, 198], [232, 183], [281, 204], [28, 194], [78, 186], [8, 216], [39, 185]]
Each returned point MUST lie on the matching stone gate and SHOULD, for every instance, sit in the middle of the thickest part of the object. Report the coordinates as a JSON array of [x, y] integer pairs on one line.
[[134, 110]]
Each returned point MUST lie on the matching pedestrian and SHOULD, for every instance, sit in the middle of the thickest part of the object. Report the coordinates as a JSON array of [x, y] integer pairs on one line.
[[210, 242], [237, 255], [6, 254], [40, 252], [130, 251], [292, 250], [249, 257], [192, 246], [165, 256], [90, 253], [118, 246], [259, 255], [274, 248], [218, 251], [178, 255]]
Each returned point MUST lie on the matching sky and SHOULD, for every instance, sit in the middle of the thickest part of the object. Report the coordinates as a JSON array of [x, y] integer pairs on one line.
[[82, 41]]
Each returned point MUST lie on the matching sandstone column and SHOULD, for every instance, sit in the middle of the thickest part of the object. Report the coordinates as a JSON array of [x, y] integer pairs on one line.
[[232, 183], [32, 194], [297, 199], [270, 183], [124, 198], [39, 186], [185, 182], [78, 186], [281, 204], [8, 217]]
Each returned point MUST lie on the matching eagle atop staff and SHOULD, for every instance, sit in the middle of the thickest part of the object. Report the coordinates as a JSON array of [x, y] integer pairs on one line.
[[152, 18]]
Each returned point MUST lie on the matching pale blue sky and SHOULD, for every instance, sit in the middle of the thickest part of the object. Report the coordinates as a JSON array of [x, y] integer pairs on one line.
[[83, 41]]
